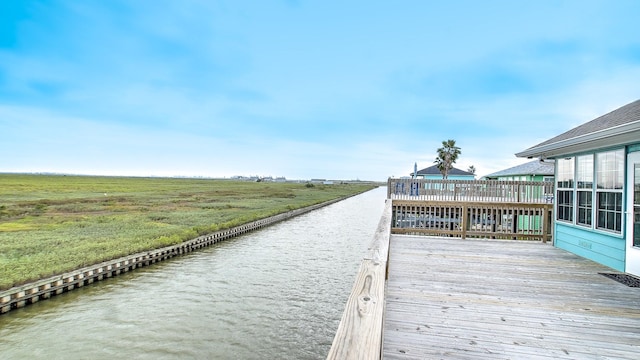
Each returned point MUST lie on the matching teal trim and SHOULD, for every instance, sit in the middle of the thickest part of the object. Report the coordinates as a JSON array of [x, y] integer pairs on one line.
[[608, 250], [460, 177], [633, 148]]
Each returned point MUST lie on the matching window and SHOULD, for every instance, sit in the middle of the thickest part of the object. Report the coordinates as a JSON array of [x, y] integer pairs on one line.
[[584, 185], [610, 211], [564, 200], [565, 173], [609, 182], [585, 207], [565, 205]]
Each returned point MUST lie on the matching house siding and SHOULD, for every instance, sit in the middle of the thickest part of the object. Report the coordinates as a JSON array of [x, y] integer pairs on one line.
[[608, 250], [520, 177], [460, 177], [450, 177]]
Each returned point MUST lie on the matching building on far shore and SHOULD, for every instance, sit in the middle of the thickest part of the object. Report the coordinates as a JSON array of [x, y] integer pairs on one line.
[[535, 170], [433, 173]]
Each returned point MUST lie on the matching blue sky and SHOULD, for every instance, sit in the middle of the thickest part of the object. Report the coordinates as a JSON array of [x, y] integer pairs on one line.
[[303, 89]]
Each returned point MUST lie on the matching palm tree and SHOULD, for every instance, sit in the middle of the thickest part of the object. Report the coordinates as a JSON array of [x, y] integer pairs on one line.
[[447, 156]]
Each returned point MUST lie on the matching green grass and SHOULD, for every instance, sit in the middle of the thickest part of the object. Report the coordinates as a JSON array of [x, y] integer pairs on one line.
[[53, 224]]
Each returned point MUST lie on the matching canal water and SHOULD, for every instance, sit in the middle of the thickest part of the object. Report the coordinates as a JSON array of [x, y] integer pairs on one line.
[[276, 293]]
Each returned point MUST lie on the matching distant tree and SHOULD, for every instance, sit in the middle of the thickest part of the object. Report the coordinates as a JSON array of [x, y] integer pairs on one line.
[[447, 156], [472, 169]]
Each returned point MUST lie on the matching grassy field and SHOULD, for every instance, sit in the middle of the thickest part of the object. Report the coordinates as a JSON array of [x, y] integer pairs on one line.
[[53, 224]]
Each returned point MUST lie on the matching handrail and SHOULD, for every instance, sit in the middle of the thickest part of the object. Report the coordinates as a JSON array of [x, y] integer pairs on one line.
[[537, 192], [359, 334]]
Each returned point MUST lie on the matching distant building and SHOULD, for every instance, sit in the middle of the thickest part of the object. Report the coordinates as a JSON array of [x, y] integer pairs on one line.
[[433, 173], [536, 170]]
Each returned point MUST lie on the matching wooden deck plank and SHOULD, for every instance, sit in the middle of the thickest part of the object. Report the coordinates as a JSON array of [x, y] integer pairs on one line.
[[495, 299]]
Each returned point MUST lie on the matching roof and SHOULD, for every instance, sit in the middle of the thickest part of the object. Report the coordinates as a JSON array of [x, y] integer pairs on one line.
[[619, 127], [433, 170], [535, 167]]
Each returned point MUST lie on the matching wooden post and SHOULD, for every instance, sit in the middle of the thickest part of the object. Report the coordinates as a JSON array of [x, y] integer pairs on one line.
[[464, 219], [455, 192], [359, 334], [545, 225]]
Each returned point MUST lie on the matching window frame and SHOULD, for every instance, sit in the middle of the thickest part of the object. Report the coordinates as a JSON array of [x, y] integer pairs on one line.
[[584, 184], [565, 188], [609, 184]]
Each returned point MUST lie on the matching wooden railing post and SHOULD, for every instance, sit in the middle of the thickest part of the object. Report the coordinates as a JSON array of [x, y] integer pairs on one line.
[[455, 191], [359, 334], [389, 188], [464, 221], [545, 226]]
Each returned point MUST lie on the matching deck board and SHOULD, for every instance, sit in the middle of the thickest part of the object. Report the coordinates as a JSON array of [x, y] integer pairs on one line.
[[494, 299]]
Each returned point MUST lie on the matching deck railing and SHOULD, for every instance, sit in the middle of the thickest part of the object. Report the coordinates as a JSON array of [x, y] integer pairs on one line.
[[474, 209], [530, 192], [472, 220]]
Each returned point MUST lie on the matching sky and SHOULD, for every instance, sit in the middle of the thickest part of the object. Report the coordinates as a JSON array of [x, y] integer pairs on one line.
[[347, 90]]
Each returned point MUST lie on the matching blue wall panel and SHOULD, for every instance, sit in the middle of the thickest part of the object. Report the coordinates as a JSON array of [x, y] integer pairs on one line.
[[602, 248]]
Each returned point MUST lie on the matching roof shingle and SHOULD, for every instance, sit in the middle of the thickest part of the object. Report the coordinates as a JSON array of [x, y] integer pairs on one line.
[[535, 167], [433, 170], [624, 115]]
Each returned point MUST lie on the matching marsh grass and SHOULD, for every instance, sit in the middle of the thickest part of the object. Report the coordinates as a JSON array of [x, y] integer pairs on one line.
[[53, 224]]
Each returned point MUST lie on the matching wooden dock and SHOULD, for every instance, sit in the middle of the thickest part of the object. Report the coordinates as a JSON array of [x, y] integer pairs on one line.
[[448, 298]]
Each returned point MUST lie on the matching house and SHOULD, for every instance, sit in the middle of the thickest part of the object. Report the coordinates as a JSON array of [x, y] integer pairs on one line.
[[433, 173], [535, 170], [597, 188]]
